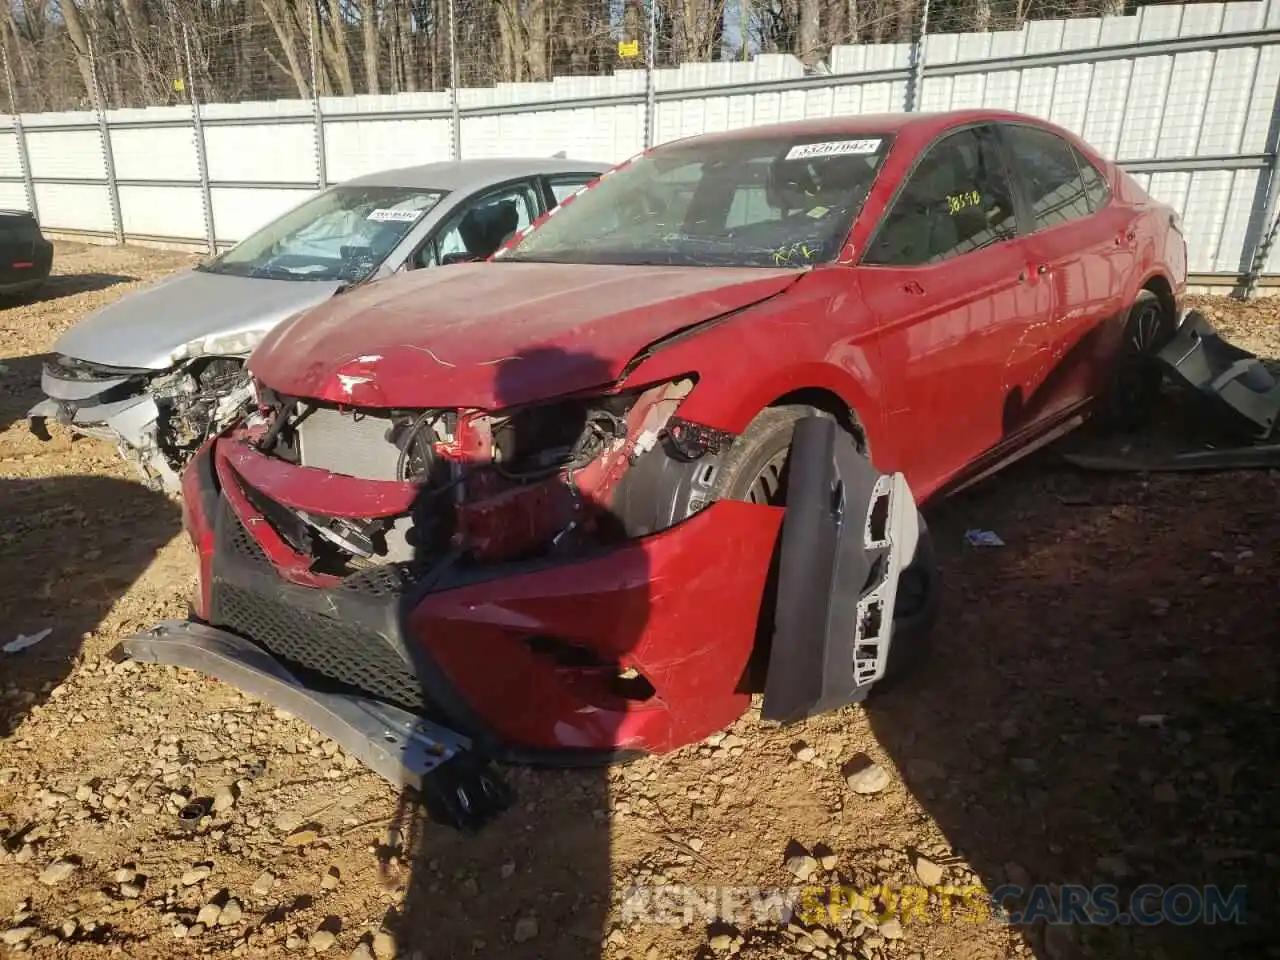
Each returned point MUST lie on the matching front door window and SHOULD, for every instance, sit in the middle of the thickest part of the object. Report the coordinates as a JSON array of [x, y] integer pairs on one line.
[[957, 200]]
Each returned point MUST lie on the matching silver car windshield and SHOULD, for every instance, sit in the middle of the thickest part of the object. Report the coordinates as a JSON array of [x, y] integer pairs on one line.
[[766, 202], [343, 233]]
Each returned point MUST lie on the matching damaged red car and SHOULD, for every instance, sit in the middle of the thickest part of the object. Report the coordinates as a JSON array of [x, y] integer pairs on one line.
[[664, 450]]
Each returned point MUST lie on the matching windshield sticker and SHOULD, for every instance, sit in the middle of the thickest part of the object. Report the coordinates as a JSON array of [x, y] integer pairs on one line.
[[388, 215], [832, 148], [962, 201]]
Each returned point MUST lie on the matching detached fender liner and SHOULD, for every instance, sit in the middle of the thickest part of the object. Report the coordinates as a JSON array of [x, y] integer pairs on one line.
[[848, 533]]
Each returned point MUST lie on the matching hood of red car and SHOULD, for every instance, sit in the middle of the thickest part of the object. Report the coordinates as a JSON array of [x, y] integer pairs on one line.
[[493, 335]]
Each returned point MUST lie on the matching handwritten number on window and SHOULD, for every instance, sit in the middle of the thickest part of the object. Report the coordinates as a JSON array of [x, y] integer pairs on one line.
[[963, 201]]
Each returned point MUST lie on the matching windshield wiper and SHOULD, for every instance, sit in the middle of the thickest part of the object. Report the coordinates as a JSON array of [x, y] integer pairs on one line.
[[516, 258], [214, 267], [283, 273]]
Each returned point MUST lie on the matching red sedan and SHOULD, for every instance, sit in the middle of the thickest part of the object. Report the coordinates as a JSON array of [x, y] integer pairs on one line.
[[558, 502]]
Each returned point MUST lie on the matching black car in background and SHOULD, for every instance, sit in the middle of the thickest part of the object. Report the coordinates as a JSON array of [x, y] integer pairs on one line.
[[26, 257]]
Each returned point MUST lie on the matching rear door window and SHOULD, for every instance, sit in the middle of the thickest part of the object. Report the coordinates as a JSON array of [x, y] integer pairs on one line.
[[1046, 165], [1095, 185], [955, 201], [567, 185]]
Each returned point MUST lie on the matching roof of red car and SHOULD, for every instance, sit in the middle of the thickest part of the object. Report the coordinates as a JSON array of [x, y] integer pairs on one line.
[[866, 124]]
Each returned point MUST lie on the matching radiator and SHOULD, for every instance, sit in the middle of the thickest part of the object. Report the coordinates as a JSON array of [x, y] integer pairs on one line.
[[355, 446]]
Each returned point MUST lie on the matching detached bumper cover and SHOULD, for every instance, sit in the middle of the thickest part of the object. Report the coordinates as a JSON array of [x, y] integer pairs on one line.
[[1232, 380], [404, 749]]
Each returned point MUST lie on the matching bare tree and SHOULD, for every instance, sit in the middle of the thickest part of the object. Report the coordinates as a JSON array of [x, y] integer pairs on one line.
[[369, 38], [79, 41], [808, 36], [262, 49], [292, 39]]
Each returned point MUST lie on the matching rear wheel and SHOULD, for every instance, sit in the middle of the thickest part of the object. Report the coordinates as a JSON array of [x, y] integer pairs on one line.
[[1135, 385], [755, 470]]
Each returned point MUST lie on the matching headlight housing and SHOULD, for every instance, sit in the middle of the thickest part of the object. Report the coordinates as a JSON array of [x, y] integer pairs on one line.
[[597, 469], [238, 344]]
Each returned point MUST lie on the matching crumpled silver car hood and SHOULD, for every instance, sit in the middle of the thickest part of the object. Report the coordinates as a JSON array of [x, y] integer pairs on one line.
[[144, 329]]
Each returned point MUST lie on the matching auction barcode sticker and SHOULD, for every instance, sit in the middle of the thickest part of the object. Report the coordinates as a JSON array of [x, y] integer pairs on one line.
[[387, 215], [832, 148]]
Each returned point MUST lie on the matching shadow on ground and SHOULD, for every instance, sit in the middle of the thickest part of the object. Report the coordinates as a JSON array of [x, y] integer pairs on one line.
[[1100, 704], [19, 387], [461, 899], [61, 570], [65, 285]]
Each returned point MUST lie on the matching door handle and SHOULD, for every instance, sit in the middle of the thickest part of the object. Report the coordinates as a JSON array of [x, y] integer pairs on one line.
[[913, 288], [1126, 238], [1041, 270]]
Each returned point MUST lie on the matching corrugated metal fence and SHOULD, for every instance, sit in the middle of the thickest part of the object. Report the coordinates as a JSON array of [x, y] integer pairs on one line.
[[1186, 96]]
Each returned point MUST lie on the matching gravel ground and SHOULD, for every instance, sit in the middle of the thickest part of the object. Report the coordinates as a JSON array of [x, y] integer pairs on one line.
[[1100, 707]]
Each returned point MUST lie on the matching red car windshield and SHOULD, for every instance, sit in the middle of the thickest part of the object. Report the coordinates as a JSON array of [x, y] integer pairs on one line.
[[768, 202]]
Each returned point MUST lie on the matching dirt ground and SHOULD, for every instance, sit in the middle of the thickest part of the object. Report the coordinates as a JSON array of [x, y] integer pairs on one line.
[[1100, 707]]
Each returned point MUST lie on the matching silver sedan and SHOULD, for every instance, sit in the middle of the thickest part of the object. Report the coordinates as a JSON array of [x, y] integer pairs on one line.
[[159, 371]]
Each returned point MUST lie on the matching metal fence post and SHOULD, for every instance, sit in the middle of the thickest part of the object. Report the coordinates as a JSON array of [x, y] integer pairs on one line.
[[650, 94], [202, 159], [317, 115], [108, 159], [455, 116], [915, 84], [24, 158], [1262, 237], [1260, 257]]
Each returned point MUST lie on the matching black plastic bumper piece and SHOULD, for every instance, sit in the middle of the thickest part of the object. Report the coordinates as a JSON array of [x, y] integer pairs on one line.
[[849, 532], [1234, 381]]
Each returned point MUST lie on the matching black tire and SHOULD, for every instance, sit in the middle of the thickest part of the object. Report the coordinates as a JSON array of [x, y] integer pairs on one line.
[[1134, 391], [754, 470]]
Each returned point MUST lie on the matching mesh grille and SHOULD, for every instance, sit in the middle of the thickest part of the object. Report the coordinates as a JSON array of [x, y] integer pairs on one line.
[[237, 538], [377, 583], [383, 581], [338, 650]]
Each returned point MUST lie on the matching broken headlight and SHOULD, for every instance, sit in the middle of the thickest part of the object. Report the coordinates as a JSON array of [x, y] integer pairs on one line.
[[238, 344]]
